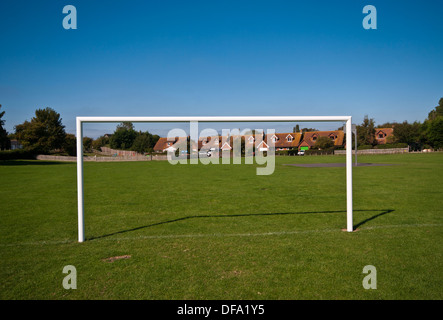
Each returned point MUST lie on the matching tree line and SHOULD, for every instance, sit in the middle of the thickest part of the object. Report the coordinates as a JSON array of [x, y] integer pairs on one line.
[[125, 137], [45, 134], [417, 135]]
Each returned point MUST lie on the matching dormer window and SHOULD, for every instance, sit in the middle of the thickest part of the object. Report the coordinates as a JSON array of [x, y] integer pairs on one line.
[[251, 139], [314, 138], [289, 138], [274, 139]]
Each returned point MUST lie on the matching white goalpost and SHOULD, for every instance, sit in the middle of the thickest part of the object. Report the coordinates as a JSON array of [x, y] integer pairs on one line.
[[81, 120]]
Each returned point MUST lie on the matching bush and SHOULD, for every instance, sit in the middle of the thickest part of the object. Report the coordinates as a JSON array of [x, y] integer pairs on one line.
[[282, 152], [17, 154], [391, 146], [101, 141], [364, 147], [311, 152]]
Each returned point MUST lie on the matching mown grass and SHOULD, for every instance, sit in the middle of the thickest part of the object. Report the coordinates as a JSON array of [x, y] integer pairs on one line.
[[221, 231]]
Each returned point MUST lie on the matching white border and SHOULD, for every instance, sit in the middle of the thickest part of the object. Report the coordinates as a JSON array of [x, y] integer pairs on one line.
[[81, 120]]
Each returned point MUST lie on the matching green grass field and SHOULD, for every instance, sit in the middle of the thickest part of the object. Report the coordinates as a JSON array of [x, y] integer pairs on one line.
[[221, 231]]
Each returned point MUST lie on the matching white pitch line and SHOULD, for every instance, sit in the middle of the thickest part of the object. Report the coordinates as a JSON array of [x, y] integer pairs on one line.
[[277, 233], [217, 235]]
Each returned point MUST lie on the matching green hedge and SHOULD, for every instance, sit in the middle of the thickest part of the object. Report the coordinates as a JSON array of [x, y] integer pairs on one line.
[[383, 146], [391, 146], [282, 153], [364, 147], [16, 154], [319, 152]]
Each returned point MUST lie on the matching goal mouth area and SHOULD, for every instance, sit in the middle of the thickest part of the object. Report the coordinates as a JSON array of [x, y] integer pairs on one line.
[[79, 134]]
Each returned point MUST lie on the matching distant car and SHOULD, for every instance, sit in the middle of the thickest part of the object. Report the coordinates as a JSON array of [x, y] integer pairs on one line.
[[301, 153], [205, 153]]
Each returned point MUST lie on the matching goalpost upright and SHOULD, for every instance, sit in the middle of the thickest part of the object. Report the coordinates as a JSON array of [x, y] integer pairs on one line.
[[81, 120]]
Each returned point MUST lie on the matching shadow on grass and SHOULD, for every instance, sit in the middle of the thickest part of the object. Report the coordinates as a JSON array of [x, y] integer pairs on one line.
[[30, 162], [359, 224]]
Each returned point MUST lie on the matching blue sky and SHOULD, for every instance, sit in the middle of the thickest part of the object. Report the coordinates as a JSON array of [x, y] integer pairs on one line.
[[179, 58]]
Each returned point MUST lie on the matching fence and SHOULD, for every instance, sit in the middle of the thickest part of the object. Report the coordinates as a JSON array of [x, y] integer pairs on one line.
[[120, 153], [374, 151], [103, 159], [97, 159]]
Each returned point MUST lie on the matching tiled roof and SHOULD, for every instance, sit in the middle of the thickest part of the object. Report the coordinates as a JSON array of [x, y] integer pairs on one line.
[[163, 143], [282, 140], [386, 132], [309, 137], [285, 140], [209, 141]]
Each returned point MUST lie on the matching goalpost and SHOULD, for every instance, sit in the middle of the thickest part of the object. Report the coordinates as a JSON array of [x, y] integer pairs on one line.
[[81, 120]]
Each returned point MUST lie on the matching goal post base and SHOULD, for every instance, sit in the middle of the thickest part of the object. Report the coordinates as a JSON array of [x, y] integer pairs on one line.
[[353, 230]]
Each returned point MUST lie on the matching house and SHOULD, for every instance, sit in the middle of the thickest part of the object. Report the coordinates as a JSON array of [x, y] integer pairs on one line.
[[262, 146], [250, 141], [310, 138], [163, 145], [285, 141], [251, 138], [210, 143], [278, 141], [226, 144], [383, 135]]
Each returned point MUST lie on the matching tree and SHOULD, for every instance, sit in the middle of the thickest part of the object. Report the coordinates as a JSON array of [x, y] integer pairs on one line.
[[434, 132], [145, 142], [43, 133], [100, 142], [437, 112], [123, 137], [387, 125], [308, 129], [407, 132], [87, 144], [366, 132], [70, 145], [5, 143], [126, 125], [323, 143]]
